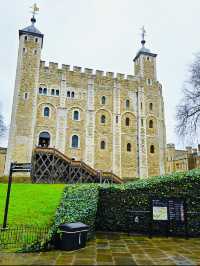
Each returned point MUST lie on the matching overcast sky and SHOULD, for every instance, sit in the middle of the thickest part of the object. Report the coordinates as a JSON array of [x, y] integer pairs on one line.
[[105, 34]]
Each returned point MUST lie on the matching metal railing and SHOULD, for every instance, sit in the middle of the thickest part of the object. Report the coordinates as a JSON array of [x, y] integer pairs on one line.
[[21, 236]]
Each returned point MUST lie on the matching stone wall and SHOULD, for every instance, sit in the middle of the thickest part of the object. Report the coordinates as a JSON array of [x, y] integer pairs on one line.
[[2, 160]]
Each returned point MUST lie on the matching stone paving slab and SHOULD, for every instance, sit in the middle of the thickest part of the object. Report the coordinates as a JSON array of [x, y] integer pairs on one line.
[[116, 249]]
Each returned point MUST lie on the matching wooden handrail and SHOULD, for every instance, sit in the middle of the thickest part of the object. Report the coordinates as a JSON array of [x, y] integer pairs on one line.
[[54, 151]]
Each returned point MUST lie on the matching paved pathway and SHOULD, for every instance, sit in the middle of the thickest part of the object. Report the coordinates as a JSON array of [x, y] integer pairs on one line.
[[117, 249]]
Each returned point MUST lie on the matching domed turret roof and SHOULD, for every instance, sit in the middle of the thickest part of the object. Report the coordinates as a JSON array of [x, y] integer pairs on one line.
[[31, 30]]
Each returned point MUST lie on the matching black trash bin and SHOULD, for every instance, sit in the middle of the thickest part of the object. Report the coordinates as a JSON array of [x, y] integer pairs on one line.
[[72, 236]]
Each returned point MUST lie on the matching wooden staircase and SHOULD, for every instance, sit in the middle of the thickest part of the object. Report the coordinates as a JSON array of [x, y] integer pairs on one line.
[[49, 165]]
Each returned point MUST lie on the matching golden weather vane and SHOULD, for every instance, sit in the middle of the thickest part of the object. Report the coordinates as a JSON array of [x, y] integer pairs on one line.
[[34, 9]]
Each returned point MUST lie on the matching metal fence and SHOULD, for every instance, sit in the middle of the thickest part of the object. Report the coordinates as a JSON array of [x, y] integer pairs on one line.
[[21, 236]]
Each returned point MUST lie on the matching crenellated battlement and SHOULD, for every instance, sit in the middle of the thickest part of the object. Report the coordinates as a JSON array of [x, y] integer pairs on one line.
[[53, 66]]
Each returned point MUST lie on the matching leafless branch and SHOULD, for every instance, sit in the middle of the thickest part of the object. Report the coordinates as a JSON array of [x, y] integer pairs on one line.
[[188, 111]]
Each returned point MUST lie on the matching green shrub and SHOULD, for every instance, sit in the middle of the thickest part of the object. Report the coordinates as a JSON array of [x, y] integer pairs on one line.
[[116, 200], [104, 207], [79, 204]]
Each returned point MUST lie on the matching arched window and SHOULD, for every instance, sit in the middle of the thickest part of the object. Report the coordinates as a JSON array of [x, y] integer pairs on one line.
[[103, 145], [151, 106], [128, 147], [150, 123], [46, 111], [40, 90], [45, 91], [152, 149], [117, 119], [44, 139], [103, 100], [72, 94], [127, 104], [75, 141], [76, 115], [103, 119], [68, 94], [127, 121]]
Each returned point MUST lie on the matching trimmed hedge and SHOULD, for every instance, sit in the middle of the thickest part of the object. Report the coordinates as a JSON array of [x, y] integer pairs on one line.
[[104, 207], [78, 204], [116, 200]]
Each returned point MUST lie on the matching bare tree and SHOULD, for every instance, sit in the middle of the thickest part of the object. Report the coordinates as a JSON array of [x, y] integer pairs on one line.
[[2, 126], [188, 111]]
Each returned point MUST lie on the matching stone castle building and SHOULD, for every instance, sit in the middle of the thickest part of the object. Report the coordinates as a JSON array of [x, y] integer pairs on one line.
[[111, 122], [182, 160]]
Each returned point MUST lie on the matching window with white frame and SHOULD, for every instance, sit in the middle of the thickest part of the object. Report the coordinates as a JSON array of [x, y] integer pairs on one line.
[[103, 100], [128, 147], [76, 115], [52, 92], [127, 104], [46, 111], [75, 141], [151, 106], [40, 90], [103, 119], [103, 145], [45, 91]]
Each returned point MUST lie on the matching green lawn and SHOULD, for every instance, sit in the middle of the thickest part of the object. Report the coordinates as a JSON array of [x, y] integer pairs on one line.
[[31, 203]]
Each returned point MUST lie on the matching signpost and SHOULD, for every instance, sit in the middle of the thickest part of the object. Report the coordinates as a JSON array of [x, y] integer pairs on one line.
[[14, 167]]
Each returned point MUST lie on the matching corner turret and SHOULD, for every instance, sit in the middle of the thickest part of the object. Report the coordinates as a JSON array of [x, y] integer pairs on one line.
[[145, 61], [23, 117]]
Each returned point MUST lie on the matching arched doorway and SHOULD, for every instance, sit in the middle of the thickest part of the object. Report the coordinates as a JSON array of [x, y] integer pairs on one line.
[[44, 139]]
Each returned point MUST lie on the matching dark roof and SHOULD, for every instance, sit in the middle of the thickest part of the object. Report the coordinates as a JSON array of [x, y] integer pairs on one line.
[[31, 30], [144, 51]]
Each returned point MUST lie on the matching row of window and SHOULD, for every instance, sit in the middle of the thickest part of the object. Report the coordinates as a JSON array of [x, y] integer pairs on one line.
[[34, 51], [127, 103], [71, 94], [54, 92], [76, 117], [44, 141], [76, 113], [147, 58]]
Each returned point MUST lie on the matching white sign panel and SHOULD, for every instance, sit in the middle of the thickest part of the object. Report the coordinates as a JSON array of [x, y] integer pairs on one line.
[[160, 213]]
